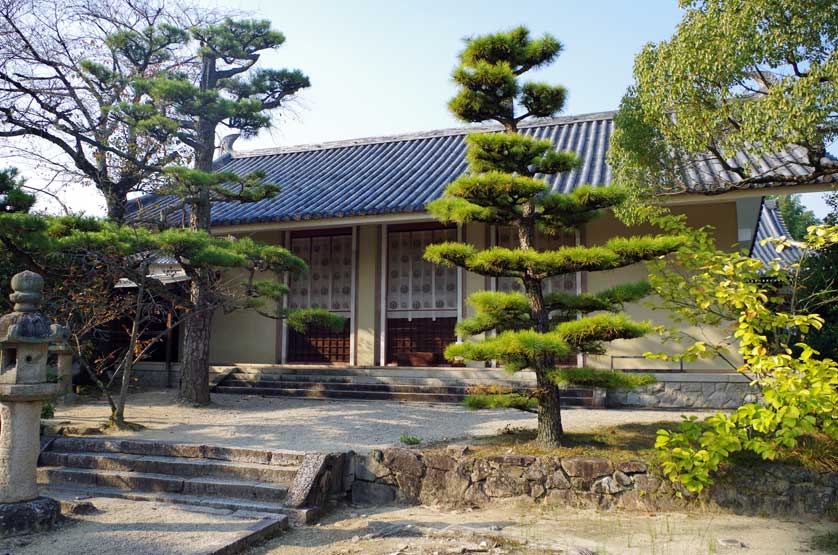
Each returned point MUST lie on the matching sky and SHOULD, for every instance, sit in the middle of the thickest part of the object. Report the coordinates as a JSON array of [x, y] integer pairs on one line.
[[380, 67]]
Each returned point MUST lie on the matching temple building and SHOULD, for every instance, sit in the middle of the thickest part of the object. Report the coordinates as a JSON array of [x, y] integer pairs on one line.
[[354, 210]]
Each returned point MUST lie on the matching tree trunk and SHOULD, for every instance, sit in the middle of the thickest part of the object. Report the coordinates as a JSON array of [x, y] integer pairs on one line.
[[549, 400], [116, 205], [550, 428], [118, 412], [194, 374]]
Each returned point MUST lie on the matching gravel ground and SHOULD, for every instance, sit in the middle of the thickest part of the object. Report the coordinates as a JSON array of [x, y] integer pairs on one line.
[[134, 528], [314, 425], [520, 528]]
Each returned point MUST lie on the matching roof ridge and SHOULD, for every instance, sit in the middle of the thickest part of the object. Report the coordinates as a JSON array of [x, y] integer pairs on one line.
[[428, 134]]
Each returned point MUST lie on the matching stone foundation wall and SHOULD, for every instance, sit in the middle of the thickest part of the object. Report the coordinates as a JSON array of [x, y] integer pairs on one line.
[[154, 374], [455, 477], [688, 390]]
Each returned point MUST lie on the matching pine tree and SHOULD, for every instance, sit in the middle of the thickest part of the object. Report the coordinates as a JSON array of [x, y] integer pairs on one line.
[[229, 91], [503, 187]]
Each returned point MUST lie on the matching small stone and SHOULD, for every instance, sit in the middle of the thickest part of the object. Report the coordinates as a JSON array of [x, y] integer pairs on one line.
[[622, 478], [606, 485], [80, 508], [587, 468], [355, 539], [457, 450], [731, 543], [632, 467]]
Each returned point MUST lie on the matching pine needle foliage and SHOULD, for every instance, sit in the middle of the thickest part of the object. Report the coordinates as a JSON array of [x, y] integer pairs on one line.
[[505, 187]]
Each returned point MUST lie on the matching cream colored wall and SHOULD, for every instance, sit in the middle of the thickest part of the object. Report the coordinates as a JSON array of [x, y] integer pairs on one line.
[[722, 216], [475, 234], [366, 300], [244, 335]]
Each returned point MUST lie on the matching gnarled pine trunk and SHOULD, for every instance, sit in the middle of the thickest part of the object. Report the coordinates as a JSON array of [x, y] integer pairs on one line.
[[194, 374], [549, 401]]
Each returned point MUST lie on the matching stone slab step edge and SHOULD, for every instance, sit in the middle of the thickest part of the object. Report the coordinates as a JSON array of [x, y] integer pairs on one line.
[[258, 532], [162, 483], [176, 466], [393, 388], [389, 388], [179, 450], [297, 516], [375, 380], [396, 372], [263, 526], [325, 393]]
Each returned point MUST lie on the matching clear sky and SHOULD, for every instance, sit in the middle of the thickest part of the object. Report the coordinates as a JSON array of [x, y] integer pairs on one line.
[[383, 66]]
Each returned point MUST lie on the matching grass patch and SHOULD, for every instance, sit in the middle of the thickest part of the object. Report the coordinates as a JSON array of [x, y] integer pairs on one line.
[[618, 443], [636, 441], [826, 542]]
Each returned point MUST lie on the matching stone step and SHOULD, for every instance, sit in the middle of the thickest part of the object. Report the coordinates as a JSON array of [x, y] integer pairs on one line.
[[296, 516], [572, 398], [235, 381], [175, 466], [326, 393], [179, 450], [374, 380], [161, 483], [394, 372]]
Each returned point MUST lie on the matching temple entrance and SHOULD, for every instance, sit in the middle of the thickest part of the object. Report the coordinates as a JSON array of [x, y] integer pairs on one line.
[[422, 298], [327, 284]]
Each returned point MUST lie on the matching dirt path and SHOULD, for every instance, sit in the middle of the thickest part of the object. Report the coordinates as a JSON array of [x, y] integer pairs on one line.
[[516, 529], [312, 425]]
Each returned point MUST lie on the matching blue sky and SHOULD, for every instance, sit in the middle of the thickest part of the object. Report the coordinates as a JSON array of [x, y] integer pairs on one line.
[[383, 67]]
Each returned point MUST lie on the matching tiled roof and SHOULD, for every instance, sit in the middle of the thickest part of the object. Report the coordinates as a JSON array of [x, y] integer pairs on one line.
[[770, 225], [402, 174]]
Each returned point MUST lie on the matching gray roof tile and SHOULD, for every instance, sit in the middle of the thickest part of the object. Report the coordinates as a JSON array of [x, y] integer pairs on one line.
[[402, 174], [771, 225]]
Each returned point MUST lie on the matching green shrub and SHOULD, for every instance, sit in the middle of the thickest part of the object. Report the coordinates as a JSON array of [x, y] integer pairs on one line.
[[408, 439], [47, 410], [516, 400], [589, 377]]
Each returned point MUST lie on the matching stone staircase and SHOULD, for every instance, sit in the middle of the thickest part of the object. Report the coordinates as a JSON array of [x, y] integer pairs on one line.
[[430, 385], [237, 479]]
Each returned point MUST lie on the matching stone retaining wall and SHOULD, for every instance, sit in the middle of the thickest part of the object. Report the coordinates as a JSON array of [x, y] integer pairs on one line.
[[455, 477], [688, 390]]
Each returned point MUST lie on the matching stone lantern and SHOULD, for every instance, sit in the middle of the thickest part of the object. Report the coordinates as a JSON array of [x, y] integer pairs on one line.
[[25, 336]]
